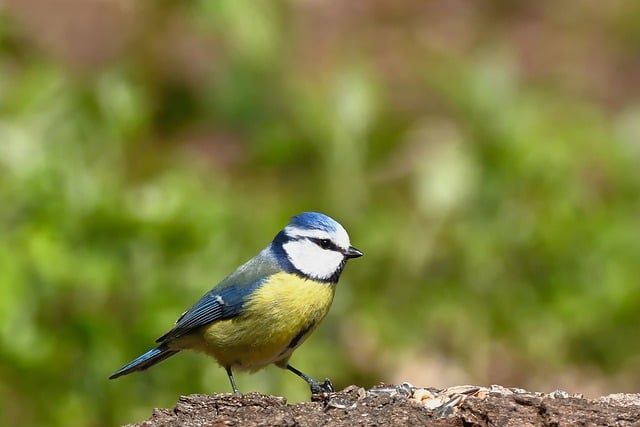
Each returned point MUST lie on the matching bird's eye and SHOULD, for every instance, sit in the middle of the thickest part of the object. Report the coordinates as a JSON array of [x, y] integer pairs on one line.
[[324, 243]]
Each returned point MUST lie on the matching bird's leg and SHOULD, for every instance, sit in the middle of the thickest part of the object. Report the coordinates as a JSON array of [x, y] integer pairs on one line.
[[233, 381], [316, 386]]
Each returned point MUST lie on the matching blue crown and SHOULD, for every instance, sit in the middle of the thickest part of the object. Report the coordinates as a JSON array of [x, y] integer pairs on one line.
[[314, 221]]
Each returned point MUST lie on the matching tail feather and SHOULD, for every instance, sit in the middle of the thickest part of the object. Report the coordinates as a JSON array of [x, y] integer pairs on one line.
[[145, 361]]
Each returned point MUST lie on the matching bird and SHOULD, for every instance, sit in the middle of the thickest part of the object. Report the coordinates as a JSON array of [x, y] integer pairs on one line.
[[266, 308]]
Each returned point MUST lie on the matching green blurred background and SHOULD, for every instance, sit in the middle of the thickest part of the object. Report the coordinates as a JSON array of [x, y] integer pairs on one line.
[[484, 155]]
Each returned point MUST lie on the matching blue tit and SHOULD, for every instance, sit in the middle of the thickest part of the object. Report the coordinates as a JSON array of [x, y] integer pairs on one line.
[[268, 307]]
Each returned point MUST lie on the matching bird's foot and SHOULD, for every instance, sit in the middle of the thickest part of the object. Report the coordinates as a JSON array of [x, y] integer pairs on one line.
[[317, 387]]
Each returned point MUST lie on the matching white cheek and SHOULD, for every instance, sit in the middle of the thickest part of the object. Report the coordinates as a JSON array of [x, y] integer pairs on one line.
[[312, 260]]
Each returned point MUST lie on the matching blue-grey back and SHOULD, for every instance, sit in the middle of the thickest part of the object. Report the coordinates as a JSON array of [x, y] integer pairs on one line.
[[257, 268]]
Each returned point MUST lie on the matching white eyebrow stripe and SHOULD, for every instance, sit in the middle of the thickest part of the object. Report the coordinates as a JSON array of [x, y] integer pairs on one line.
[[305, 232]]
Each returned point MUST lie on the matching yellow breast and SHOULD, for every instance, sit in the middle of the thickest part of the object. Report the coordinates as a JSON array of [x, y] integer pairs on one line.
[[276, 319]]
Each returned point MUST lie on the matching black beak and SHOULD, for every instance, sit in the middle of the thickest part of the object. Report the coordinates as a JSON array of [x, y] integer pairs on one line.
[[353, 253]]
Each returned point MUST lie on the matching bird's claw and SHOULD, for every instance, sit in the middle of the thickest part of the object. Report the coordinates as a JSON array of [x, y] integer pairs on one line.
[[317, 387]]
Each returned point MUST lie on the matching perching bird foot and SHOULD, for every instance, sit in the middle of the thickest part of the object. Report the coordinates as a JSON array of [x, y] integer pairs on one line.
[[317, 387]]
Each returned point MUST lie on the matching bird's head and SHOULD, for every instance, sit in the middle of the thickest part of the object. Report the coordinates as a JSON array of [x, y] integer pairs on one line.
[[315, 246]]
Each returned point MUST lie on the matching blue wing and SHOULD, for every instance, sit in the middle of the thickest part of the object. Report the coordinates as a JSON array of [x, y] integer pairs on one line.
[[227, 299], [214, 305]]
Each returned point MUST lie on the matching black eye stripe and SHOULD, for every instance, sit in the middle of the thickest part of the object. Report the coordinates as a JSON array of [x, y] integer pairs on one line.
[[325, 244]]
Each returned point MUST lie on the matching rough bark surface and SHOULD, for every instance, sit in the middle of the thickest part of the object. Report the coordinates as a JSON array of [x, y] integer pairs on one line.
[[356, 407]]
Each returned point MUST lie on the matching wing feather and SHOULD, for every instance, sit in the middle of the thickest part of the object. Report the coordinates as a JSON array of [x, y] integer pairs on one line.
[[227, 299]]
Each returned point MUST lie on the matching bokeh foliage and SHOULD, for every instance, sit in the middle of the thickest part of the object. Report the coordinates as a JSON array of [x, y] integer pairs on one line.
[[491, 179]]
